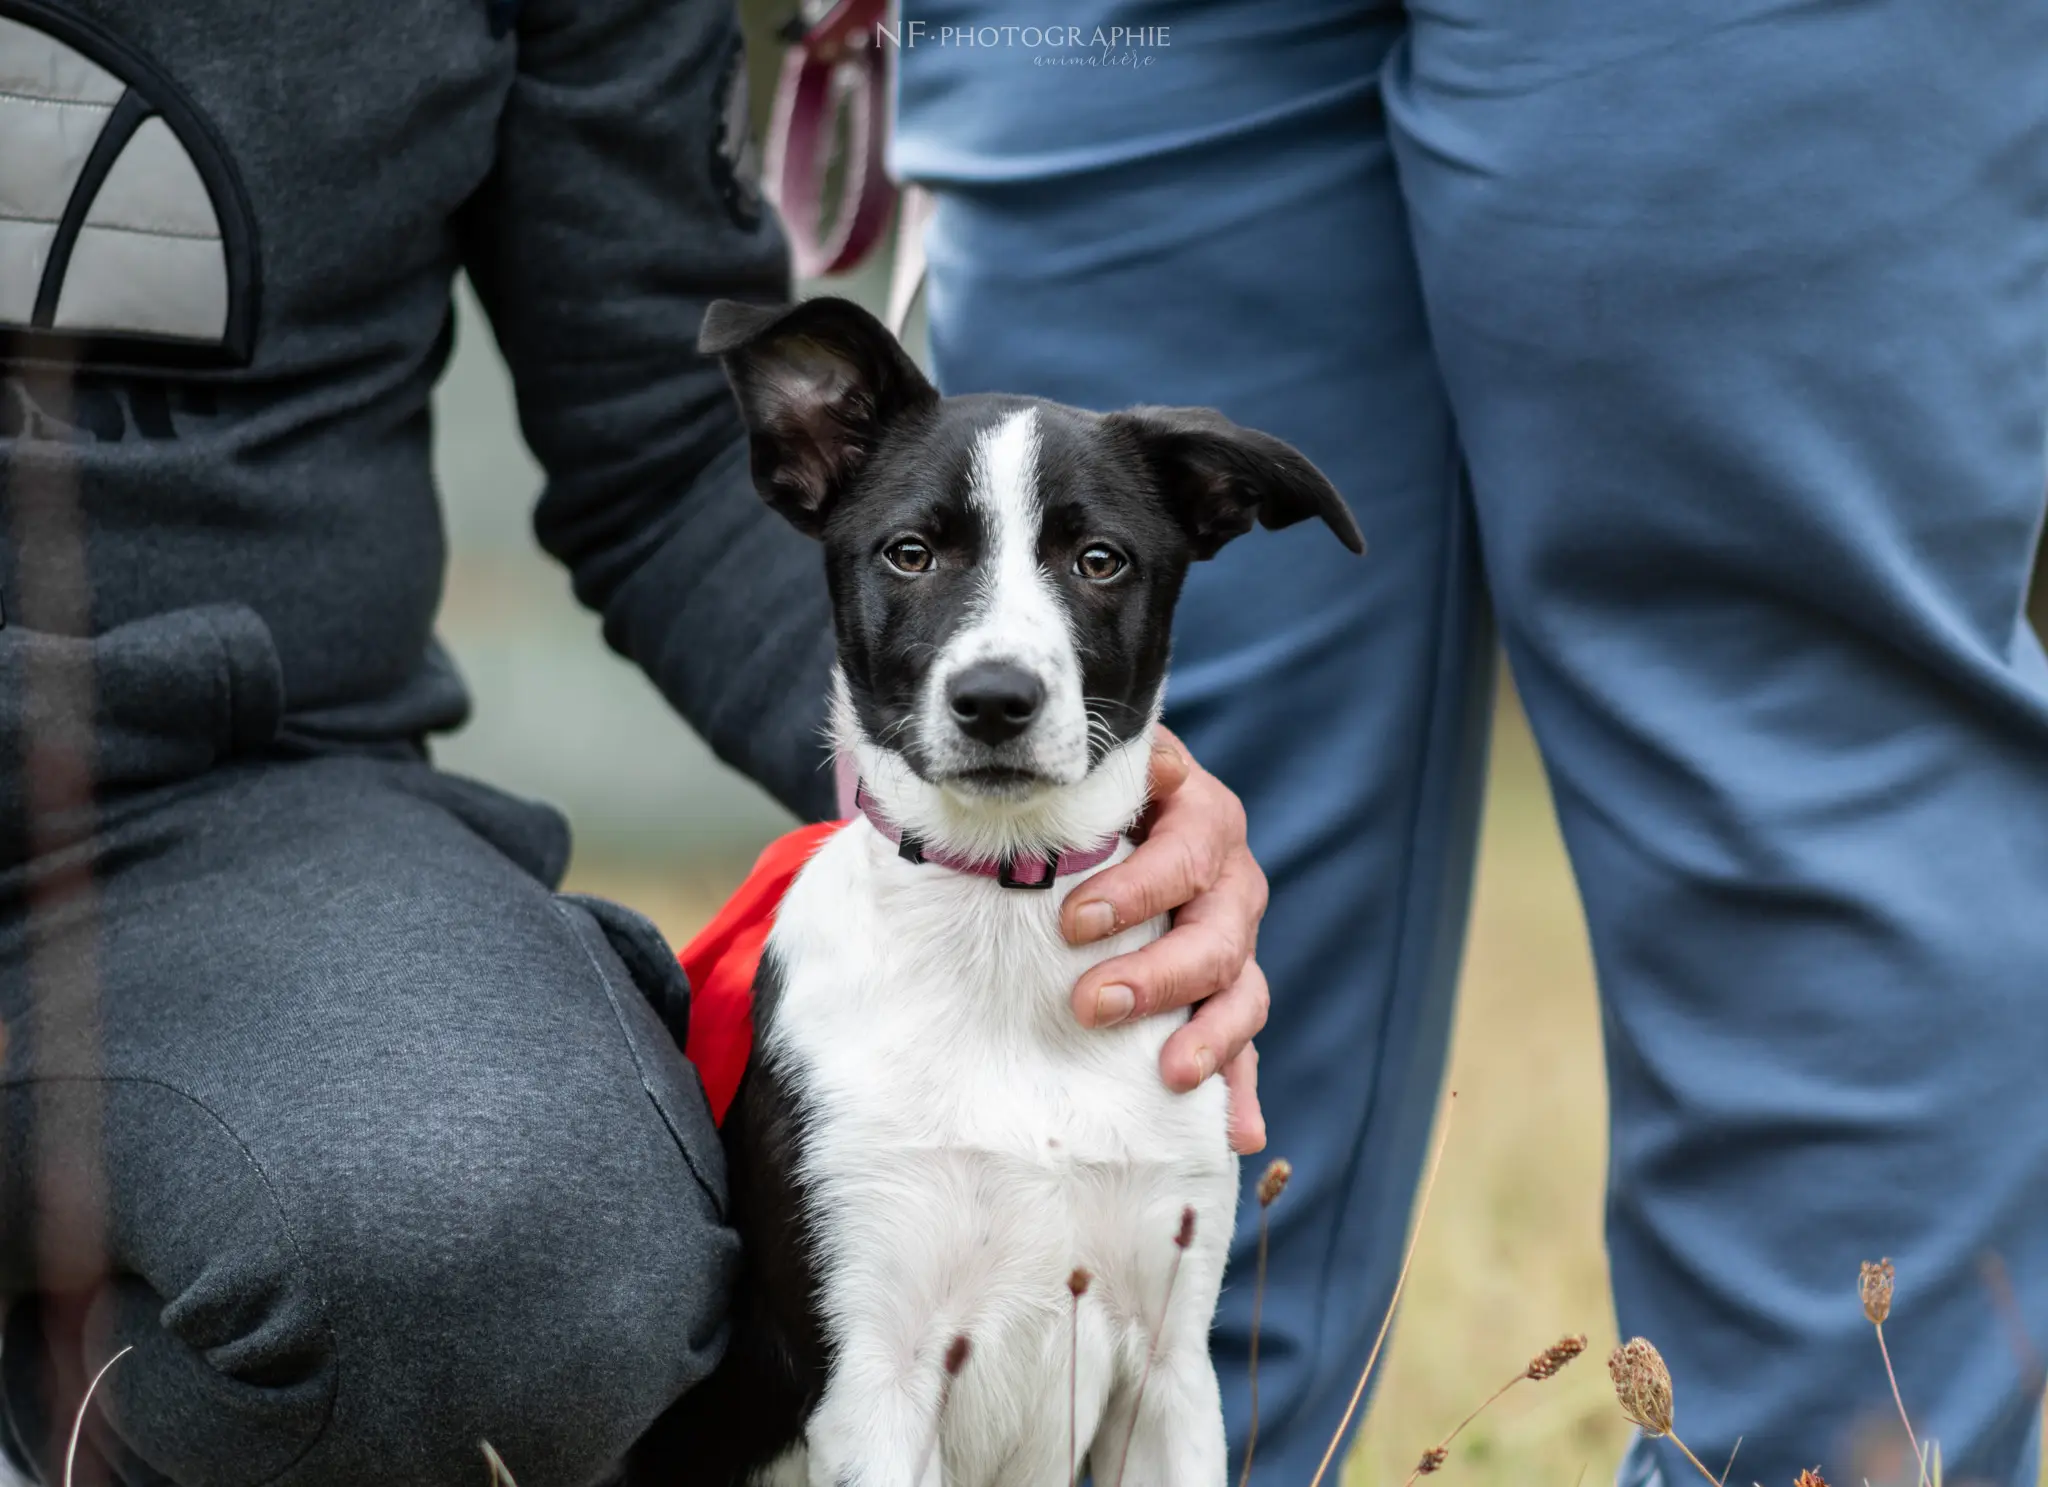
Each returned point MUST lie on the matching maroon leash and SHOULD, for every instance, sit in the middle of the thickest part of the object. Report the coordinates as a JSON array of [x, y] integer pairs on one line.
[[834, 70]]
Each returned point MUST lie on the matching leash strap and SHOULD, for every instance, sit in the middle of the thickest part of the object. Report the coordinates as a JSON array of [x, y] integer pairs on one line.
[[834, 70], [906, 274]]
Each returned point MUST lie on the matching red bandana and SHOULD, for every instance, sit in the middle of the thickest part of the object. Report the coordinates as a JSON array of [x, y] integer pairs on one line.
[[721, 962]]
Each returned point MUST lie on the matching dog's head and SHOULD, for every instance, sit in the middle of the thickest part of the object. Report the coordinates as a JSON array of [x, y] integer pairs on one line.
[[1003, 570]]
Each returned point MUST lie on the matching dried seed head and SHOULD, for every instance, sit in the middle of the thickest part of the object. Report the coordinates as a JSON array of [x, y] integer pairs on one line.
[[1274, 1183], [1876, 1290], [1432, 1460], [956, 1356], [1643, 1385], [1186, 1236], [1546, 1364], [1079, 1282], [1811, 1478]]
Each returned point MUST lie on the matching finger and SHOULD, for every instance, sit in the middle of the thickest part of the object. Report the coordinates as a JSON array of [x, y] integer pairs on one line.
[[1201, 956], [1221, 1029], [1198, 834], [1247, 1120], [1171, 764], [1183, 966]]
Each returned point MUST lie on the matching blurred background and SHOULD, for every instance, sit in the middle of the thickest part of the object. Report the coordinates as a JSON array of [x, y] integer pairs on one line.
[[1512, 1257]]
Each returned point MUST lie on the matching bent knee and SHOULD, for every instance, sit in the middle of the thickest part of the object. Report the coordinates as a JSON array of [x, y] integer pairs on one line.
[[550, 1290]]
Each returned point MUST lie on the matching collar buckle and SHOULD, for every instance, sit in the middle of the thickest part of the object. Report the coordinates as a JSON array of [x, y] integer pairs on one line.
[[1006, 873]]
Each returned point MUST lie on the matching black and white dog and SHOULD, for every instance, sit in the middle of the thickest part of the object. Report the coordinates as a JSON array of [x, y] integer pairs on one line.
[[927, 1144]]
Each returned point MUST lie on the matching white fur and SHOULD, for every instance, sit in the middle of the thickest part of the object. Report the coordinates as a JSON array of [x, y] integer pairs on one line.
[[1017, 616], [968, 1144]]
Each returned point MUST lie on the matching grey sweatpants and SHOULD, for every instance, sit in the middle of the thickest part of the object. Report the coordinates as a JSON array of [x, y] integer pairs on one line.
[[371, 1145]]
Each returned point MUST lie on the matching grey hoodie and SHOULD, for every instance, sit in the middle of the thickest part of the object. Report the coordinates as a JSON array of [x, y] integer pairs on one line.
[[230, 229]]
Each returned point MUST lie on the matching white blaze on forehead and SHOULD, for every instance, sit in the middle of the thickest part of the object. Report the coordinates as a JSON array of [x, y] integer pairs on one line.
[[1003, 488], [1018, 616]]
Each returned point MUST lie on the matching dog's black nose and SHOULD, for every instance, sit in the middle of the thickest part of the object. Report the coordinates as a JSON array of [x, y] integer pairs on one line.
[[994, 701]]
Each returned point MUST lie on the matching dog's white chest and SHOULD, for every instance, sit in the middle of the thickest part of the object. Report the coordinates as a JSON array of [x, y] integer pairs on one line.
[[968, 1147]]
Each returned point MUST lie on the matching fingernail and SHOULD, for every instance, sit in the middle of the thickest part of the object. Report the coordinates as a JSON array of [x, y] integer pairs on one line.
[[1205, 1062], [1094, 920], [1113, 1004]]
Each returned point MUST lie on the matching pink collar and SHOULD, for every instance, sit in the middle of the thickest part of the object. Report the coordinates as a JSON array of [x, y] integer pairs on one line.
[[1039, 868]]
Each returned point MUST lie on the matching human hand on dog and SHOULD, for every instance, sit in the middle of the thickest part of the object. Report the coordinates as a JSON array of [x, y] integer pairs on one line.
[[1192, 861]]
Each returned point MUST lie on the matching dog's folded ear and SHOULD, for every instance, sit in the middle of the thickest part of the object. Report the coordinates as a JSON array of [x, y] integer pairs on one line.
[[817, 383], [1219, 477]]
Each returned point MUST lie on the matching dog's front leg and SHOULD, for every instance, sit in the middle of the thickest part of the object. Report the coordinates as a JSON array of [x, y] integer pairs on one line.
[[1176, 1438], [876, 1425]]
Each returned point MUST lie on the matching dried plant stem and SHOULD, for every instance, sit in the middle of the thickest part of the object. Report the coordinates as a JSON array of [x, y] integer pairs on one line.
[[1672, 1436], [78, 1421], [1181, 1241], [1919, 1456], [1077, 1287], [1443, 1446], [1251, 1440], [501, 1475], [1074, 1395], [1400, 1283], [1729, 1469], [1547, 1364], [955, 1360]]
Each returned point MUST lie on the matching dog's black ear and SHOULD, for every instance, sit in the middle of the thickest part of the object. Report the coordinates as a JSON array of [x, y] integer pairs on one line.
[[1218, 477], [817, 382]]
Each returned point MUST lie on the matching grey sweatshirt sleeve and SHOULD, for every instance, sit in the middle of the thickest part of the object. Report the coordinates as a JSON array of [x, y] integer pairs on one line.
[[611, 219]]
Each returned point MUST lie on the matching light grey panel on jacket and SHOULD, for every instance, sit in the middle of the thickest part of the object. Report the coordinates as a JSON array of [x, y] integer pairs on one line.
[[141, 282], [46, 148], [53, 104], [24, 249], [33, 65], [154, 187]]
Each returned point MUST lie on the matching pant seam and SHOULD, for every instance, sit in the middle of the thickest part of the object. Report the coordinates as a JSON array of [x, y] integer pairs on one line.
[[633, 1052], [277, 1206]]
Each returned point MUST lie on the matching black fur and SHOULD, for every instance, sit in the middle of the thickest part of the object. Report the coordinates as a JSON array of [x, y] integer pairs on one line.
[[917, 480], [857, 448], [754, 1405]]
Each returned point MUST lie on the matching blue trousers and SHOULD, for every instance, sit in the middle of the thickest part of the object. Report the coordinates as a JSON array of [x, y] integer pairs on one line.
[[1701, 349]]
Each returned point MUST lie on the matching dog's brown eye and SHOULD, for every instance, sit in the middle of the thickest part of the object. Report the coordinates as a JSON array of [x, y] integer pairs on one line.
[[909, 556], [1099, 564]]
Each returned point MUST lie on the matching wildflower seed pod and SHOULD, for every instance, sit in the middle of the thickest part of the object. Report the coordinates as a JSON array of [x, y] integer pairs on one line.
[[1545, 1365], [1274, 1183], [1642, 1384], [1811, 1478], [1875, 1287], [1432, 1460]]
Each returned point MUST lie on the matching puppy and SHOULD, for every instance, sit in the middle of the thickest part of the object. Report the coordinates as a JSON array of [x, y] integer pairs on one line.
[[926, 1145]]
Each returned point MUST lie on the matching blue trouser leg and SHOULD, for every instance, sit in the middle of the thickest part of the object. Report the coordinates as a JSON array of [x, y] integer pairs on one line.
[[1741, 312], [1346, 700], [1744, 313]]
